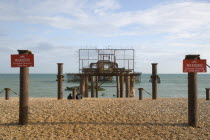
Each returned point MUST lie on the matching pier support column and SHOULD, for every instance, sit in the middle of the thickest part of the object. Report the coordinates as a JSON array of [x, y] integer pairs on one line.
[[140, 93], [96, 81], [128, 89], [132, 90], [92, 87], [86, 86], [24, 92], [83, 88], [74, 93], [7, 94], [118, 86], [121, 85], [60, 80], [82, 85], [207, 94], [154, 80]]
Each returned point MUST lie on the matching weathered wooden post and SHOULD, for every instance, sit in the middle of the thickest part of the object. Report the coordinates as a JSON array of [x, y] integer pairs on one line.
[[92, 87], [192, 99], [24, 94], [60, 80], [140, 93], [7, 93], [24, 90], [128, 85], [86, 86], [132, 90], [154, 80], [121, 85], [96, 81], [192, 64], [24, 60], [74, 93], [118, 86], [207, 94]]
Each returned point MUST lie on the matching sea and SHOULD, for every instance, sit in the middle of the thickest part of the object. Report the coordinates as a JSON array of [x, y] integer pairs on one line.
[[45, 85]]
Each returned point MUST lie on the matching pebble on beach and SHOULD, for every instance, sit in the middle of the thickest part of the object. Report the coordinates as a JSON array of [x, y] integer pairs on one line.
[[104, 118]]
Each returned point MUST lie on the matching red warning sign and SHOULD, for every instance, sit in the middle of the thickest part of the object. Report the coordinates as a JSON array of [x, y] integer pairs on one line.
[[22, 60], [194, 65]]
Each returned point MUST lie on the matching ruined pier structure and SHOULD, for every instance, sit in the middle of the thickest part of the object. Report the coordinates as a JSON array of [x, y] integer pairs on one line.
[[104, 64]]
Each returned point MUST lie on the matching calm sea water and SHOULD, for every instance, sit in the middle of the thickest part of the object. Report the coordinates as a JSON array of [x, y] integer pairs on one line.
[[45, 85]]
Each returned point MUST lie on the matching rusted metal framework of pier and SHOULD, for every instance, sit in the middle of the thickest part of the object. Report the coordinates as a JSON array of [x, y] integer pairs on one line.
[[98, 64]]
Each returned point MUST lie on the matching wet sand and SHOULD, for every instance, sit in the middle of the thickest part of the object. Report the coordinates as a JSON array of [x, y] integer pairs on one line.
[[164, 118]]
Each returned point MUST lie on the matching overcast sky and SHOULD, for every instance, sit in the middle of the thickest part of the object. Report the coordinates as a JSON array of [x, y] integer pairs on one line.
[[160, 31]]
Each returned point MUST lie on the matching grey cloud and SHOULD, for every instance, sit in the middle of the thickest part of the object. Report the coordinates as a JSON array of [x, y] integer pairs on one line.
[[5, 49], [44, 46]]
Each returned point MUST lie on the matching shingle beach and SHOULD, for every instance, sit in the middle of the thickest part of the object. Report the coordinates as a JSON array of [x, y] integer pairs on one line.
[[104, 118]]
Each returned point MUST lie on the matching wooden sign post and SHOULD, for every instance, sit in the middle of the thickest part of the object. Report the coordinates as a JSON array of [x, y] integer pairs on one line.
[[24, 60], [192, 64]]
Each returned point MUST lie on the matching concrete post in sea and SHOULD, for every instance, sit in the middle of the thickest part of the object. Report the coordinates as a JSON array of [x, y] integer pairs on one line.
[[60, 80], [192, 95], [207, 93], [121, 85], [7, 90], [24, 91], [154, 78], [128, 85], [140, 93]]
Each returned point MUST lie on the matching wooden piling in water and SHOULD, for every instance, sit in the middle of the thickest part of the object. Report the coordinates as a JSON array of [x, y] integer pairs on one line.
[[86, 86], [118, 86], [122, 85], [132, 84], [92, 87], [96, 83], [128, 85]]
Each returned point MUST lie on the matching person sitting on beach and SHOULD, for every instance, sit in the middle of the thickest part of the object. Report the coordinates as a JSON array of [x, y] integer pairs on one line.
[[78, 96], [70, 97]]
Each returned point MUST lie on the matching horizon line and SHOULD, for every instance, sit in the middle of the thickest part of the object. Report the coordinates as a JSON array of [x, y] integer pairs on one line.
[[68, 72]]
